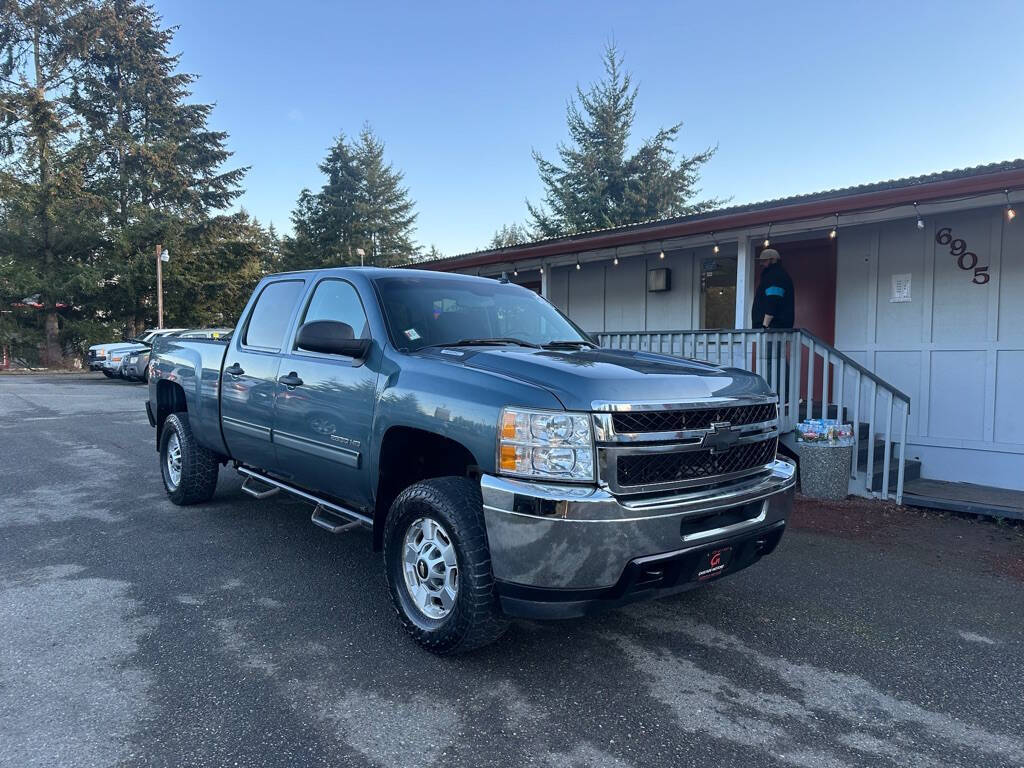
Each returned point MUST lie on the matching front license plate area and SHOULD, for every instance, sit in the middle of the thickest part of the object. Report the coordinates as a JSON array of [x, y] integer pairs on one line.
[[714, 564]]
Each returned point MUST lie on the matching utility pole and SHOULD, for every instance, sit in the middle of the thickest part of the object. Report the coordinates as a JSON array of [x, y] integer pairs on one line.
[[161, 257], [159, 289]]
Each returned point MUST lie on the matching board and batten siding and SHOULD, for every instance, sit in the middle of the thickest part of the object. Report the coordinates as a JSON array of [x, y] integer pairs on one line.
[[957, 347], [603, 297]]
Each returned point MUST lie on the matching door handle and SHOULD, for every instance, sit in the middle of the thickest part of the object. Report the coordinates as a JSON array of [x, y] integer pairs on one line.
[[291, 380], [234, 370]]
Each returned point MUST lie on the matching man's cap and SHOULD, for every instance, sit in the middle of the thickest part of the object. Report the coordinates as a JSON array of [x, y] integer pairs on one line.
[[768, 253]]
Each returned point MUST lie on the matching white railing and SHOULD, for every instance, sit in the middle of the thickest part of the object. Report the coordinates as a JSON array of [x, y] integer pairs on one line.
[[799, 367]]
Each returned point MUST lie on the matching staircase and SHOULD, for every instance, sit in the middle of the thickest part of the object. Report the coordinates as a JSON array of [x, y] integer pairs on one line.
[[808, 374], [911, 467]]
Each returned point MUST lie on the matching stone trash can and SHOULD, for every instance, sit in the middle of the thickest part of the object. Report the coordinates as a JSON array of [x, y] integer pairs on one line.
[[825, 469]]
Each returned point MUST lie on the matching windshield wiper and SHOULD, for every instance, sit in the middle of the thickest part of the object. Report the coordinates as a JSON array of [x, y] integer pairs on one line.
[[484, 342], [569, 344]]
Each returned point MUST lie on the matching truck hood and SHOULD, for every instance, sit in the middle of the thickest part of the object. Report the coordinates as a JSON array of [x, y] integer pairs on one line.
[[582, 379]]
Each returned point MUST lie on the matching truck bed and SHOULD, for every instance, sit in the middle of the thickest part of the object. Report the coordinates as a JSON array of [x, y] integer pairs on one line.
[[196, 365]]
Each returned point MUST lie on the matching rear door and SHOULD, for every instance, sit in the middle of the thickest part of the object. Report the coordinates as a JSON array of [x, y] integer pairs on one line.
[[322, 425], [249, 380]]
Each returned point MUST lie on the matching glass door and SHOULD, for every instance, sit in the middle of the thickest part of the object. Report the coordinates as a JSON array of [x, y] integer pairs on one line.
[[718, 292]]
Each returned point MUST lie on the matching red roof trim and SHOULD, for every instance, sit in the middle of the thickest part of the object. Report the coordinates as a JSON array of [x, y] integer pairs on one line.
[[949, 188]]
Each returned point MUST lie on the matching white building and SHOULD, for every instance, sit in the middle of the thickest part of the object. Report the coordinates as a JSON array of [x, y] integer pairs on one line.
[[919, 295]]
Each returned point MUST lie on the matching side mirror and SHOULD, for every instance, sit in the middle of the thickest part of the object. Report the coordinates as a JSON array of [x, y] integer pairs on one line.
[[331, 337]]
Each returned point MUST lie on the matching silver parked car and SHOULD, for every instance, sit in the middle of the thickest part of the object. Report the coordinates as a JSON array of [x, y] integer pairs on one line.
[[135, 365]]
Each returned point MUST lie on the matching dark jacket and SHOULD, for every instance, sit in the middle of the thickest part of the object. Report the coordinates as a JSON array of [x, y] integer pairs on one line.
[[774, 297]]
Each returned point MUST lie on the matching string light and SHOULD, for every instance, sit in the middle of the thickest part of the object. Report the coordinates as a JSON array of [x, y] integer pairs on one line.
[[615, 261], [835, 229], [515, 270], [542, 269], [714, 249], [578, 263], [1010, 213], [920, 221], [661, 250], [768, 236]]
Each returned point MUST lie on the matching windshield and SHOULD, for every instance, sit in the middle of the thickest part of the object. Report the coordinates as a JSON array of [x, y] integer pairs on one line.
[[437, 311]]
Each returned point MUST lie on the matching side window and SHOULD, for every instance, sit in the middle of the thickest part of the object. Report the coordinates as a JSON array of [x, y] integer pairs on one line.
[[269, 319], [337, 300]]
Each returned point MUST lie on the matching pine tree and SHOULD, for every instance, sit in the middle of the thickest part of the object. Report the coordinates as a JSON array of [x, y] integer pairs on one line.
[[52, 222], [324, 224], [158, 163], [384, 210], [362, 205], [509, 235], [597, 183], [220, 260]]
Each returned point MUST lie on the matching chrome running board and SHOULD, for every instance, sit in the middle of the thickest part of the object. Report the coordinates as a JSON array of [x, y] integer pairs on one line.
[[351, 518], [256, 494]]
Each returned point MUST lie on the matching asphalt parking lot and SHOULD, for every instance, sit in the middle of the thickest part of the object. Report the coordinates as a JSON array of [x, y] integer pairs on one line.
[[134, 632]]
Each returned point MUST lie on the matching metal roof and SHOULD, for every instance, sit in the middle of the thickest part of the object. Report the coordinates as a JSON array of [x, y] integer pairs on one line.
[[978, 179]]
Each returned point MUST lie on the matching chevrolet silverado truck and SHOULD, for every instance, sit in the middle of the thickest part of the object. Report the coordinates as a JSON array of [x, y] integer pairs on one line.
[[504, 464]]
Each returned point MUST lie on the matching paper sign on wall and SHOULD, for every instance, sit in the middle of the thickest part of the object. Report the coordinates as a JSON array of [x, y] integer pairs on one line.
[[900, 291]]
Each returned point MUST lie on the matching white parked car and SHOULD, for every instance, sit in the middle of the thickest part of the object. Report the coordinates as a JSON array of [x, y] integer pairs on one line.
[[108, 358]]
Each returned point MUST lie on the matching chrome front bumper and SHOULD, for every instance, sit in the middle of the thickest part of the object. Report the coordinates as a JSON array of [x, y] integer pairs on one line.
[[561, 537]]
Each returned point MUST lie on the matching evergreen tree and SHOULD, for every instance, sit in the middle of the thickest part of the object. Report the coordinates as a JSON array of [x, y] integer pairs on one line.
[[433, 253], [51, 221], [324, 224], [158, 164], [509, 235], [219, 261], [597, 183], [384, 210], [362, 205]]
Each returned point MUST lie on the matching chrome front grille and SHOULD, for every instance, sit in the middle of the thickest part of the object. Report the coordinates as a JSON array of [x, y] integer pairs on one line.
[[680, 466], [652, 448], [693, 418]]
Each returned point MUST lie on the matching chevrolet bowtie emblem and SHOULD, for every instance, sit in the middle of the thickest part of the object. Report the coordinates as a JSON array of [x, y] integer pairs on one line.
[[721, 437]]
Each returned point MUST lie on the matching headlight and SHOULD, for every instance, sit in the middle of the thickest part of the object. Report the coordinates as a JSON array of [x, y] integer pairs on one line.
[[546, 444]]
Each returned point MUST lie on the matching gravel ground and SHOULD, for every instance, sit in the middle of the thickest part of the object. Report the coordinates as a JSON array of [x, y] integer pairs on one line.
[[137, 633]]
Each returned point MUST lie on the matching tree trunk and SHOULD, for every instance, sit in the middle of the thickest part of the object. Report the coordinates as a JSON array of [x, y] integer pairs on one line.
[[52, 356]]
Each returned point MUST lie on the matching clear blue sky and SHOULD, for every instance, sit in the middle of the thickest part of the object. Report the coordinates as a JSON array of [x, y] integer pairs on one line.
[[798, 96]]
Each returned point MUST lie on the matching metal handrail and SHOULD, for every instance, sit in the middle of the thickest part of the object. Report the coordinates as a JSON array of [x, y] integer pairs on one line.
[[782, 372]]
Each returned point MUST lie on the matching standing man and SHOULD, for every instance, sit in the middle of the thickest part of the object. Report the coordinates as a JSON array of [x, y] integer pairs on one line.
[[773, 302], [773, 309]]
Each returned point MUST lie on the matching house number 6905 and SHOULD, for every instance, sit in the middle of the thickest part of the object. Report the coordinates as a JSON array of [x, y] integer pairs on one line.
[[966, 260]]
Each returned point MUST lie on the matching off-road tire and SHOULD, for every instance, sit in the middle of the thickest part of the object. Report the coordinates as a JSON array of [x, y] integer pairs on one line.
[[199, 466], [107, 373], [475, 619]]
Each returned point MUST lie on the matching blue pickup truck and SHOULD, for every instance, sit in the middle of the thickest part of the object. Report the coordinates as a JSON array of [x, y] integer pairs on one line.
[[503, 463]]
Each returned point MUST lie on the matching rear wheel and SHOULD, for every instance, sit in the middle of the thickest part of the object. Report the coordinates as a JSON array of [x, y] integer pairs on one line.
[[438, 566], [189, 470]]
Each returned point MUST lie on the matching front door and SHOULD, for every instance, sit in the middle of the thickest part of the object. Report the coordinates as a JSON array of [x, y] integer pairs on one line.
[[323, 419], [249, 381], [812, 265]]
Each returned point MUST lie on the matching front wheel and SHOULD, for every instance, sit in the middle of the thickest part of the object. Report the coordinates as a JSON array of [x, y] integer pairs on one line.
[[189, 470], [438, 566]]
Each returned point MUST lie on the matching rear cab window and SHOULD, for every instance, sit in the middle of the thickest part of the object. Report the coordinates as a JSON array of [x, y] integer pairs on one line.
[[268, 321]]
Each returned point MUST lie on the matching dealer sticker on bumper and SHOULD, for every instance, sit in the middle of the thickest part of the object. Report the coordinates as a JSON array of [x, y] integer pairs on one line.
[[715, 563]]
